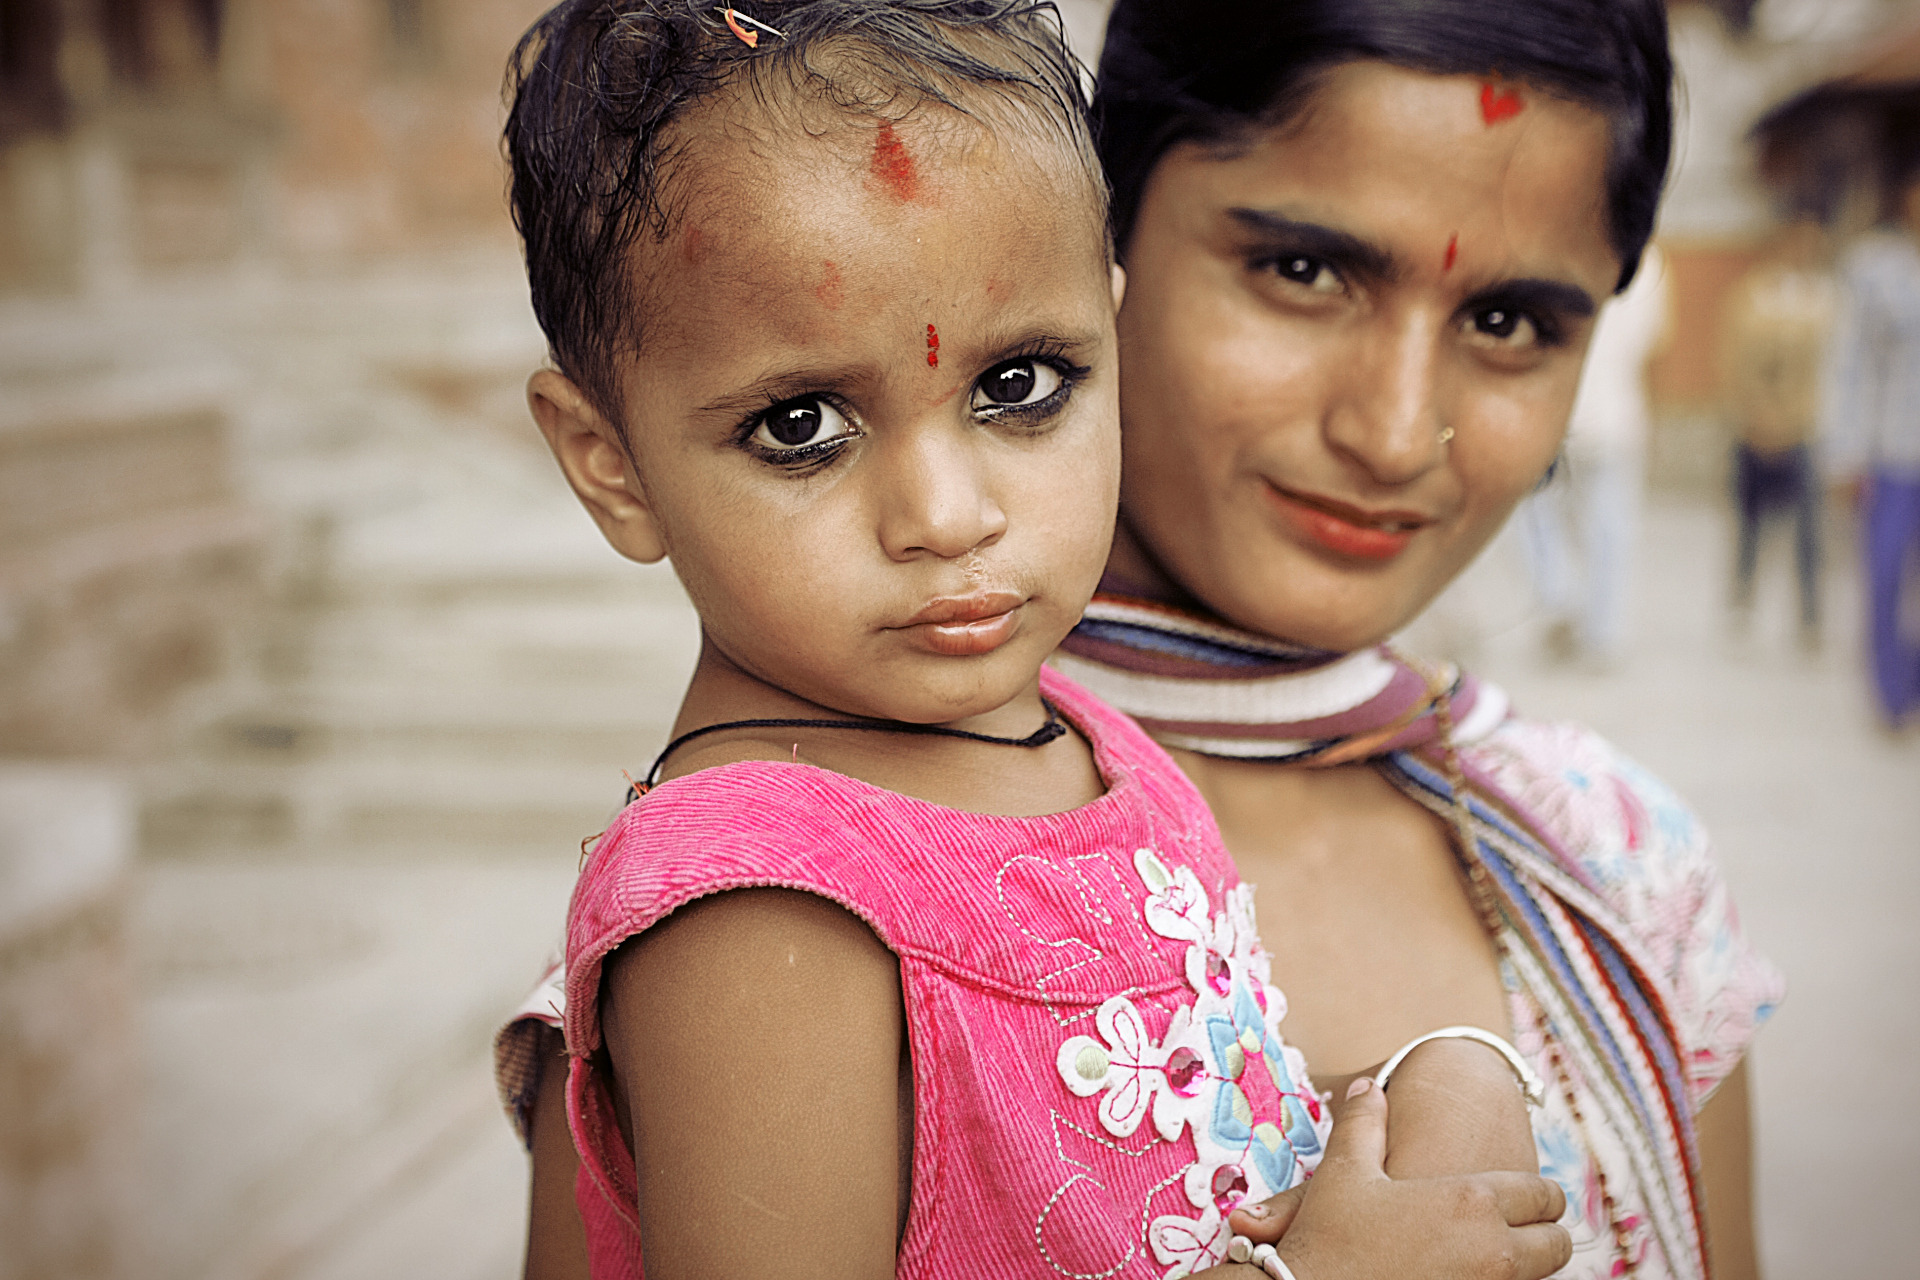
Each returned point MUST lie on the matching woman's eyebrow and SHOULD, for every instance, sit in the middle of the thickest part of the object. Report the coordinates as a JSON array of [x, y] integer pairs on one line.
[[1316, 241], [1534, 294]]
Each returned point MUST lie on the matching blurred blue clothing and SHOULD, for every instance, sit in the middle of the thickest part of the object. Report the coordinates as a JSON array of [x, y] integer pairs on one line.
[[1872, 412], [1892, 533]]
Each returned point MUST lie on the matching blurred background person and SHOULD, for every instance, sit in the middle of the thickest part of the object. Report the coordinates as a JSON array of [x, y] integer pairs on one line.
[[1875, 439], [1582, 529], [1774, 340]]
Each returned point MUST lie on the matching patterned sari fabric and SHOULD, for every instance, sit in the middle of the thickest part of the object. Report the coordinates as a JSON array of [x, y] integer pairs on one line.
[[1631, 988]]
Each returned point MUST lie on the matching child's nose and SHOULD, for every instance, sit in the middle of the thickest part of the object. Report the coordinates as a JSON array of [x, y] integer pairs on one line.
[[936, 497]]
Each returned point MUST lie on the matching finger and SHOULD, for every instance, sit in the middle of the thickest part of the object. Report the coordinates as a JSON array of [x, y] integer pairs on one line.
[[1266, 1222], [1540, 1250], [1526, 1197], [1358, 1146]]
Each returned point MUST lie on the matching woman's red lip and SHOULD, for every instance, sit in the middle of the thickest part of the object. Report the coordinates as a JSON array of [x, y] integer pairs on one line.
[[1346, 530], [973, 608]]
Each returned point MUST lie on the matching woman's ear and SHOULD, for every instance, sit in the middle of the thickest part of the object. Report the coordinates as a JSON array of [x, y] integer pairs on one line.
[[594, 459]]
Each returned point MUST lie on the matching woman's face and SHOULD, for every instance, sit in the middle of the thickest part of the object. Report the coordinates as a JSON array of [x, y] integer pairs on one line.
[[1349, 348]]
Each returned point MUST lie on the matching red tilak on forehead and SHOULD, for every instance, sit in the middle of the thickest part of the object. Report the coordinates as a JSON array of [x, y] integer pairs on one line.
[[933, 347], [1453, 252], [892, 164], [1500, 104]]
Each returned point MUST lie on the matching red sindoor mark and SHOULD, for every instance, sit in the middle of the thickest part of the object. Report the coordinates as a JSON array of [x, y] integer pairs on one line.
[[892, 163], [1500, 104]]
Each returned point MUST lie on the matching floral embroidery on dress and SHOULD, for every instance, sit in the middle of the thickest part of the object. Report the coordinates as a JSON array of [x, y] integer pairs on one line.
[[1221, 1071]]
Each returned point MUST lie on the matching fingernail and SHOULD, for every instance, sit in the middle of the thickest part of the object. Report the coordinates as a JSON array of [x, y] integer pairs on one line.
[[1359, 1087], [1255, 1210]]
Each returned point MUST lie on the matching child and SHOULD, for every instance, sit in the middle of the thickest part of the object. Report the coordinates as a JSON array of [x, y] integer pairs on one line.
[[915, 959]]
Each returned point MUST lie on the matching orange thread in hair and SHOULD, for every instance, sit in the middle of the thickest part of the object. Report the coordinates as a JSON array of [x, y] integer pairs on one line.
[[933, 347], [1498, 104], [752, 38]]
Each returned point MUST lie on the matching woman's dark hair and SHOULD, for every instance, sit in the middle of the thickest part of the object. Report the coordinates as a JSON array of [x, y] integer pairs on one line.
[[1176, 71], [596, 87]]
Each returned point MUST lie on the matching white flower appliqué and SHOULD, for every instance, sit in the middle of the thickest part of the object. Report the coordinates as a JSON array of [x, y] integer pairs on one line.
[[1221, 1072]]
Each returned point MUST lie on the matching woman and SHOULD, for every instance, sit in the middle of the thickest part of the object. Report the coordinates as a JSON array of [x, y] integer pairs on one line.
[[1365, 242]]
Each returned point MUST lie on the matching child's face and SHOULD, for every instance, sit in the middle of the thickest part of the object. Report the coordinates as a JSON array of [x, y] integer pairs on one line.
[[874, 421]]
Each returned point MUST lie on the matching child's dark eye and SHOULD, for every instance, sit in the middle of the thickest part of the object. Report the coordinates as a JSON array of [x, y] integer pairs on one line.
[[1015, 384], [798, 424]]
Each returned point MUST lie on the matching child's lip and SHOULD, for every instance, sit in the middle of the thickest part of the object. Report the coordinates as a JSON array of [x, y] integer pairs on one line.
[[965, 626], [977, 607]]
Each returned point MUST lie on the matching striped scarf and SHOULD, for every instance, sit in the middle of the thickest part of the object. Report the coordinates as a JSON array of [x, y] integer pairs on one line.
[[1197, 684]]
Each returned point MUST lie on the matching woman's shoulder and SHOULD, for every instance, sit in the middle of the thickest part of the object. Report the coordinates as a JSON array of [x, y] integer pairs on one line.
[[1628, 830], [1649, 858]]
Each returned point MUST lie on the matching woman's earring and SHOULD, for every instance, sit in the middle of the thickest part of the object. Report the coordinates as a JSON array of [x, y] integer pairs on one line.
[[1446, 434]]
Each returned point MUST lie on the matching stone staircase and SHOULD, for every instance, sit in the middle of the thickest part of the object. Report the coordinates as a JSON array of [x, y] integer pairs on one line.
[[454, 662], [356, 832]]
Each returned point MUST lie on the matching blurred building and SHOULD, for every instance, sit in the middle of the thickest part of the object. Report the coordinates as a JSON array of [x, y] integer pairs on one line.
[[1736, 62], [147, 136]]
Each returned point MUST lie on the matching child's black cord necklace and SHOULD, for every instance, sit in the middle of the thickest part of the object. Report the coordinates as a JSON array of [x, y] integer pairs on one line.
[[1040, 737]]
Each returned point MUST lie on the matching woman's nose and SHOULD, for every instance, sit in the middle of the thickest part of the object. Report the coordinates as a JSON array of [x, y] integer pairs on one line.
[[937, 496], [1385, 415]]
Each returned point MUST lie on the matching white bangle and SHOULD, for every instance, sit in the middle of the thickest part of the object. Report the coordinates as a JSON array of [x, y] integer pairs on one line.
[[1531, 1086], [1263, 1256]]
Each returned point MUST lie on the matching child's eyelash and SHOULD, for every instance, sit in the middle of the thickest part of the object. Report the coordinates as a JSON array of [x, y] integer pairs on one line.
[[1053, 355], [801, 460]]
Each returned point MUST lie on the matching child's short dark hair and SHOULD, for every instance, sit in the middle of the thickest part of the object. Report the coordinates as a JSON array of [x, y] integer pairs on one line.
[[596, 85]]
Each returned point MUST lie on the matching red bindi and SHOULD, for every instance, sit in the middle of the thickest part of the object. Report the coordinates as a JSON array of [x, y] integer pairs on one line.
[[1453, 252], [1500, 104], [933, 347], [892, 164]]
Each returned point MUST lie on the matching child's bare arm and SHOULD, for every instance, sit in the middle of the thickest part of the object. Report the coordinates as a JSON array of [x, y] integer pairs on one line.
[[756, 1044]]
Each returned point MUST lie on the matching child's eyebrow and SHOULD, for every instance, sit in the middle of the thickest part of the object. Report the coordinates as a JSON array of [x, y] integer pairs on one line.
[[785, 384]]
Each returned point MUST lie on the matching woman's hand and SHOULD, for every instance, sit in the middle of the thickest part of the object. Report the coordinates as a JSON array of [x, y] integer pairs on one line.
[[1352, 1221]]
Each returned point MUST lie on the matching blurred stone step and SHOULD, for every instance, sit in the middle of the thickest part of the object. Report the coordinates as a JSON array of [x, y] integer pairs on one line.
[[333, 810], [604, 638], [316, 1045]]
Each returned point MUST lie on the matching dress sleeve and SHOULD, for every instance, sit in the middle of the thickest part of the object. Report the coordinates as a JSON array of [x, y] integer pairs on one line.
[[523, 1044], [1650, 858]]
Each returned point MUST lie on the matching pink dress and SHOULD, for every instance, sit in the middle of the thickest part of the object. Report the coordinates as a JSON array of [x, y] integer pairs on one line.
[[1098, 1070]]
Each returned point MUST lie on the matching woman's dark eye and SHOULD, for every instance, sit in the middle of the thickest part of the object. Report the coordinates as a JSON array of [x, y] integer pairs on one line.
[[1307, 272], [1015, 383], [796, 424], [1505, 328]]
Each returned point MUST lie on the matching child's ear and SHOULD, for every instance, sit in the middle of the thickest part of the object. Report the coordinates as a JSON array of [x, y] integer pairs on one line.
[[1119, 285], [594, 460]]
